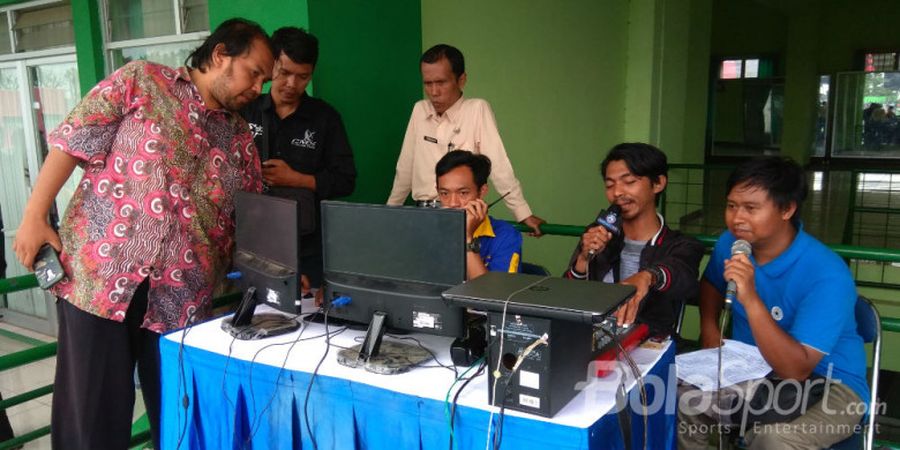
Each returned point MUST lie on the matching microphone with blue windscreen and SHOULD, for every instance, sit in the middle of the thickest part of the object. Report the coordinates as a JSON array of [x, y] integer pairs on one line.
[[609, 219]]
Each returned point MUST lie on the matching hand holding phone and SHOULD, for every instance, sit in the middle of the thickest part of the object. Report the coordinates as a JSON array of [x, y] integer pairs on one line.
[[47, 267]]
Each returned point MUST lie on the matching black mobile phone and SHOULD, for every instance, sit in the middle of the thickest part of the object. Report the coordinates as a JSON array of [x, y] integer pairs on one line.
[[47, 267]]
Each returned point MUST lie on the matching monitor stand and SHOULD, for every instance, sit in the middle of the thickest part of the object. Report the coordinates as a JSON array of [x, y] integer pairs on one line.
[[386, 358], [247, 326]]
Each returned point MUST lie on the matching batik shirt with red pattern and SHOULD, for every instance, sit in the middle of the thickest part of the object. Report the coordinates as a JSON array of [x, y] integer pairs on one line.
[[156, 200]]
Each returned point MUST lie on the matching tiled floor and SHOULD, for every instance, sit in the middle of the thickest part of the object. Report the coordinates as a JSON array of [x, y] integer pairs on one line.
[[35, 413]]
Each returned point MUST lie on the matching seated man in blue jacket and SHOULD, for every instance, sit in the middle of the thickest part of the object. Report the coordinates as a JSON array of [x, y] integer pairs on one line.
[[492, 245]]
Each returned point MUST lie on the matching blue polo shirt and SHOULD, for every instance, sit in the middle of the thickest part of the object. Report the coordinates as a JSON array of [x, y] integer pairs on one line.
[[810, 293], [501, 245]]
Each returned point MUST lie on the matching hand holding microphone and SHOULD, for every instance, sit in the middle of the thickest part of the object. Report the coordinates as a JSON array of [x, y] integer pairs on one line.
[[740, 247], [606, 227]]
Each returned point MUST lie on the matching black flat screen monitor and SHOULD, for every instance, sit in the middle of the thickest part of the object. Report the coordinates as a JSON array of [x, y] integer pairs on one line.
[[266, 251], [395, 260]]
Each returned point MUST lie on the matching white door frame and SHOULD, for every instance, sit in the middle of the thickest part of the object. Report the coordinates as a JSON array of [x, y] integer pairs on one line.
[[46, 325]]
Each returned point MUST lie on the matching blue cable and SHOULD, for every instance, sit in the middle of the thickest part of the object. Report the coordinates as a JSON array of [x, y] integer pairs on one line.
[[340, 301]]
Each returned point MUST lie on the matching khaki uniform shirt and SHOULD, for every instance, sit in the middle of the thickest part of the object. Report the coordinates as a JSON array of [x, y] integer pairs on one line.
[[467, 125]]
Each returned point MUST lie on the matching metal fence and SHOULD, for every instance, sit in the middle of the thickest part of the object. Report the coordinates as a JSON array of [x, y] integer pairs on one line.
[[859, 208]]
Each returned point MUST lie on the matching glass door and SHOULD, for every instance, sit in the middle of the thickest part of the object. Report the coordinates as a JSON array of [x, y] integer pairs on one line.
[[54, 90], [35, 95]]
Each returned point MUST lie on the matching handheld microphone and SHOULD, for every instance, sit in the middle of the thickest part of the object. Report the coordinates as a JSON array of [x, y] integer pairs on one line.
[[740, 247], [609, 219]]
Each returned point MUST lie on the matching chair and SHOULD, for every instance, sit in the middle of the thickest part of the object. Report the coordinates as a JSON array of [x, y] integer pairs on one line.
[[868, 325], [679, 320], [533, 269]]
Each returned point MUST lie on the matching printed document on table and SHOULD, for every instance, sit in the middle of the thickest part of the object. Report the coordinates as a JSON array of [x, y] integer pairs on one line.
[[740, 362]]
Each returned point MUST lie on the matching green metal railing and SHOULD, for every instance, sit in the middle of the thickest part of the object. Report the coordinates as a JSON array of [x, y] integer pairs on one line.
[[39, 351], [872, 219], [868, 213]]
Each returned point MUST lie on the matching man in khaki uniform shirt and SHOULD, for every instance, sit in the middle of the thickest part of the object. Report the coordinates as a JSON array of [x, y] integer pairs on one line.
[[448, 121]]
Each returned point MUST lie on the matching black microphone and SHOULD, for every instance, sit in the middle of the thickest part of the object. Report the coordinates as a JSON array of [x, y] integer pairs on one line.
[[609, 219], [740, 247]]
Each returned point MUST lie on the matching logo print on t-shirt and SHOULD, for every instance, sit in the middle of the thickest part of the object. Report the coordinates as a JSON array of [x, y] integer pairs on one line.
[[255, 129], [307, 141], [777, 313]]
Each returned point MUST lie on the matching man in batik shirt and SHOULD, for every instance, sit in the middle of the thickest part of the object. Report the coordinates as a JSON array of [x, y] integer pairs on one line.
[[148, 234]]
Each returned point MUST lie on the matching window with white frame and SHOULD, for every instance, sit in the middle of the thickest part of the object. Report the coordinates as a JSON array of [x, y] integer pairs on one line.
[[37, 25], [162, 31]]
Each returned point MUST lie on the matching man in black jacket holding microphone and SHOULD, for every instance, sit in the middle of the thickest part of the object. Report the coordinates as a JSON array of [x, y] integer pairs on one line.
[[637, 248]]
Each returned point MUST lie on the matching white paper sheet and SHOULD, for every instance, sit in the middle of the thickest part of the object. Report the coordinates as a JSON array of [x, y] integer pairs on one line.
[[740, 362]]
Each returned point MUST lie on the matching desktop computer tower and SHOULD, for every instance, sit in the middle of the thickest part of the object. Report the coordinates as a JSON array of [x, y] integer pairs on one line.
[[545, 381]]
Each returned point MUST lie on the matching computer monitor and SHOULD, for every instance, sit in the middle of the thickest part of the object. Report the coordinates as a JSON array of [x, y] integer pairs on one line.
[[393, 263], [266, 256]]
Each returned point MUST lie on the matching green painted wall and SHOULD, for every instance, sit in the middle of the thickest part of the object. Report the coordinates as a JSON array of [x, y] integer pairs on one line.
[[801, 86], [556, 79], [684, 65], [696, 88], [369, 70], [667, 75], [644, 71], [846, 27], [746, 27], [271, 14]]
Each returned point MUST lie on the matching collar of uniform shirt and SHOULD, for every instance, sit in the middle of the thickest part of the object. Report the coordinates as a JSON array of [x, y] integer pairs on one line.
[[450, 114]]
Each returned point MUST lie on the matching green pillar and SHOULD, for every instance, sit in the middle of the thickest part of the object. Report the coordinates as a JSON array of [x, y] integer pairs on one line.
[[369, 71], [801, 86], [88, 43], [667, 76]]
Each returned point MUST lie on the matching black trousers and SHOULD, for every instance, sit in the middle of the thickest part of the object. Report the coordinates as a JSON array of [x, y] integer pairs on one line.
[[6, 431], [93, 393]]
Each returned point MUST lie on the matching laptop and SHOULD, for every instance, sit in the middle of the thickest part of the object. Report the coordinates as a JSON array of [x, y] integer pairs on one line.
[[534, 295]]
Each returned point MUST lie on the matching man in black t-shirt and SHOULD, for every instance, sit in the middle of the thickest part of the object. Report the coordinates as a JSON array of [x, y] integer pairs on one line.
[[303, 146]]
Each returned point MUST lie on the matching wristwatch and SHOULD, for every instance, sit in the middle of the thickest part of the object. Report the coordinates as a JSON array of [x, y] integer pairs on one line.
[[659, 277], [474, 245]]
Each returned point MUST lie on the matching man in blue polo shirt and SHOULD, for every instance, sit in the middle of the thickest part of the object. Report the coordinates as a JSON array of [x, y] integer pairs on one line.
[[795, 301], [492, 245]]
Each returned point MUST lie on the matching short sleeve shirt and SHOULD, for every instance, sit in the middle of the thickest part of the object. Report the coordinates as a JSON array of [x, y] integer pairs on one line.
[[810, 293], [501, 245], [156, 199]]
